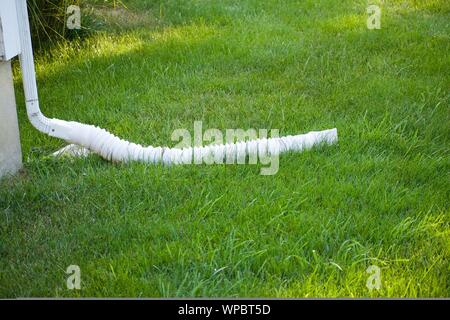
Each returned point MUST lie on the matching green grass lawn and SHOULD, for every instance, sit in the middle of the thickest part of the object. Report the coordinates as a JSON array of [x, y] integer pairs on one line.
[[378, 197]]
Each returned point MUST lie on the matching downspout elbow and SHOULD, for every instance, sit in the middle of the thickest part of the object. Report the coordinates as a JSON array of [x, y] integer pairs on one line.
[[37, 119]]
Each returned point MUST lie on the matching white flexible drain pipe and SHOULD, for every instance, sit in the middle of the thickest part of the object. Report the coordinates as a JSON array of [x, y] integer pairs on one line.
[[113, 148]]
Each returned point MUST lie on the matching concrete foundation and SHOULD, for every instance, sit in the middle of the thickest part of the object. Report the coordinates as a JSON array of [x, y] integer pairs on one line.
[[10, 151]]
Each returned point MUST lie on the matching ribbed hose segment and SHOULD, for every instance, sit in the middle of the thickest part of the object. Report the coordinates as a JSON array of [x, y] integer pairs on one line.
[[113, 148]]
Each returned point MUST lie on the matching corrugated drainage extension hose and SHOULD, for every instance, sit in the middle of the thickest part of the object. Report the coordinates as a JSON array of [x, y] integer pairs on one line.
[[113, 148]]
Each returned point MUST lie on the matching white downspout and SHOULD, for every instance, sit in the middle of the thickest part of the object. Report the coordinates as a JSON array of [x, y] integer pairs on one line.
[[35, 115], [113, 148]]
